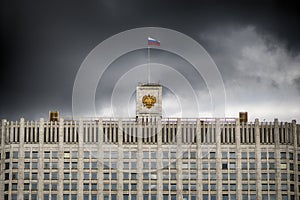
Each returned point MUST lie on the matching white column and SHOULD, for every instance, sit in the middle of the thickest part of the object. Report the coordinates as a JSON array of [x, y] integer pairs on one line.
[[238, 160], [139, 161], [159, 160], [21, 161], [2, 147], [218, 160], [120, 160], [80, 160], [179, 159], [295, 139], [199, 160], [258, 160], [41, 159], [100, 160], [277, 160], [60, 154]]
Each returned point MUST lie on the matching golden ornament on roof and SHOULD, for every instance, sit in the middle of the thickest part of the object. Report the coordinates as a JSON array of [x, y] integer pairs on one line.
[[148, 101]]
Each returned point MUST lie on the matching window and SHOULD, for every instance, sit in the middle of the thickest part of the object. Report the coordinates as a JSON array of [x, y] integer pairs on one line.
[[251, 155], [94, 165], [34, 165], [46, 165], [252, 176], [26, 186], [252, 165], [66, 186], [27, 154], [291, 156], [46, 186], [15, 154], [244, 155], [212, 155], [133, 186], [232, 176], [263, 155], [114, 176], [54, 186], [264, 176], [224, 187], [74, 175], [74, 186], [224, 166], [244, 165], [34, 176], [282, 155], [86, 154], [232, 154], [27, 165], [86, 165], [66, 165], [66, 175], [85, 186], [14, 165], [86, 176], [94, 186], [54, 165], [224, 154], [46, 176], [54, 154], [126, 165], [232, 165], [74, 154], [33, 186], [232, 187], [94, 176], [35, 154]]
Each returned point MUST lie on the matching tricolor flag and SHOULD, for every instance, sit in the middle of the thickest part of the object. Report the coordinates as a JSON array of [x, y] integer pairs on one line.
[[152, 41]]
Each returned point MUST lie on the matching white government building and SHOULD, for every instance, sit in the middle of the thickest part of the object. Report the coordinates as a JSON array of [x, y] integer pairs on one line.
[[149, 157]]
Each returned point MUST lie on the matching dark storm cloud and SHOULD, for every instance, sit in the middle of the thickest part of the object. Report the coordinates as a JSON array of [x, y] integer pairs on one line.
[[44, 42]]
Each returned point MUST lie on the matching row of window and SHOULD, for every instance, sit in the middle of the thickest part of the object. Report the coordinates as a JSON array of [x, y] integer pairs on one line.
[[152, 155], [150, 197]]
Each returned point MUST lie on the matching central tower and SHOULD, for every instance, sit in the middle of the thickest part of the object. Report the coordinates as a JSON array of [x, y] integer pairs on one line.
[[149, 100]]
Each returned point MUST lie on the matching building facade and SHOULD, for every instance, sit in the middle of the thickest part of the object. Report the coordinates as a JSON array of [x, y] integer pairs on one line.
[[149, 157]]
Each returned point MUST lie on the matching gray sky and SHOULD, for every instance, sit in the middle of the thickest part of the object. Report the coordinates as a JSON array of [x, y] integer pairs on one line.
[[254, 44]]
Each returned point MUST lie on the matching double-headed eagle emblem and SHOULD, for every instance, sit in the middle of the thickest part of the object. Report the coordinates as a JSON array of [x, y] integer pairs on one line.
[[148, 101]]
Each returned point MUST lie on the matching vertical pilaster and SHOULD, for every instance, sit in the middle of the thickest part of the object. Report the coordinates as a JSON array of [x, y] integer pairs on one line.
[[120, 160], [21, 161], [100, 160], [238, 160], [159, 160], [258, 160], [277, 160], [218, 160], [41, 159], [179, 159], [80, 160], [295, 159], [199, 160], [60, 156], [140, 161], [2, 147]]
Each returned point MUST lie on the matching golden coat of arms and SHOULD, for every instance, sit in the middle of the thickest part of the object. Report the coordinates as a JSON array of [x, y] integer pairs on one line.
[[148, 101]]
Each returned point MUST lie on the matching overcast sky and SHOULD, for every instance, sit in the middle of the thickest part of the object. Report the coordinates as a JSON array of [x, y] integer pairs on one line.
[[255, 45]]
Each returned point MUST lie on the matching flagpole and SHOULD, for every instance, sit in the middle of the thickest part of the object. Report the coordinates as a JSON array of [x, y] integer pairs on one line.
[[148, 64]]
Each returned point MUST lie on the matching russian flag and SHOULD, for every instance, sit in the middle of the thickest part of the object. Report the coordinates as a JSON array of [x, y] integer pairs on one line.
[[153, 42]]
